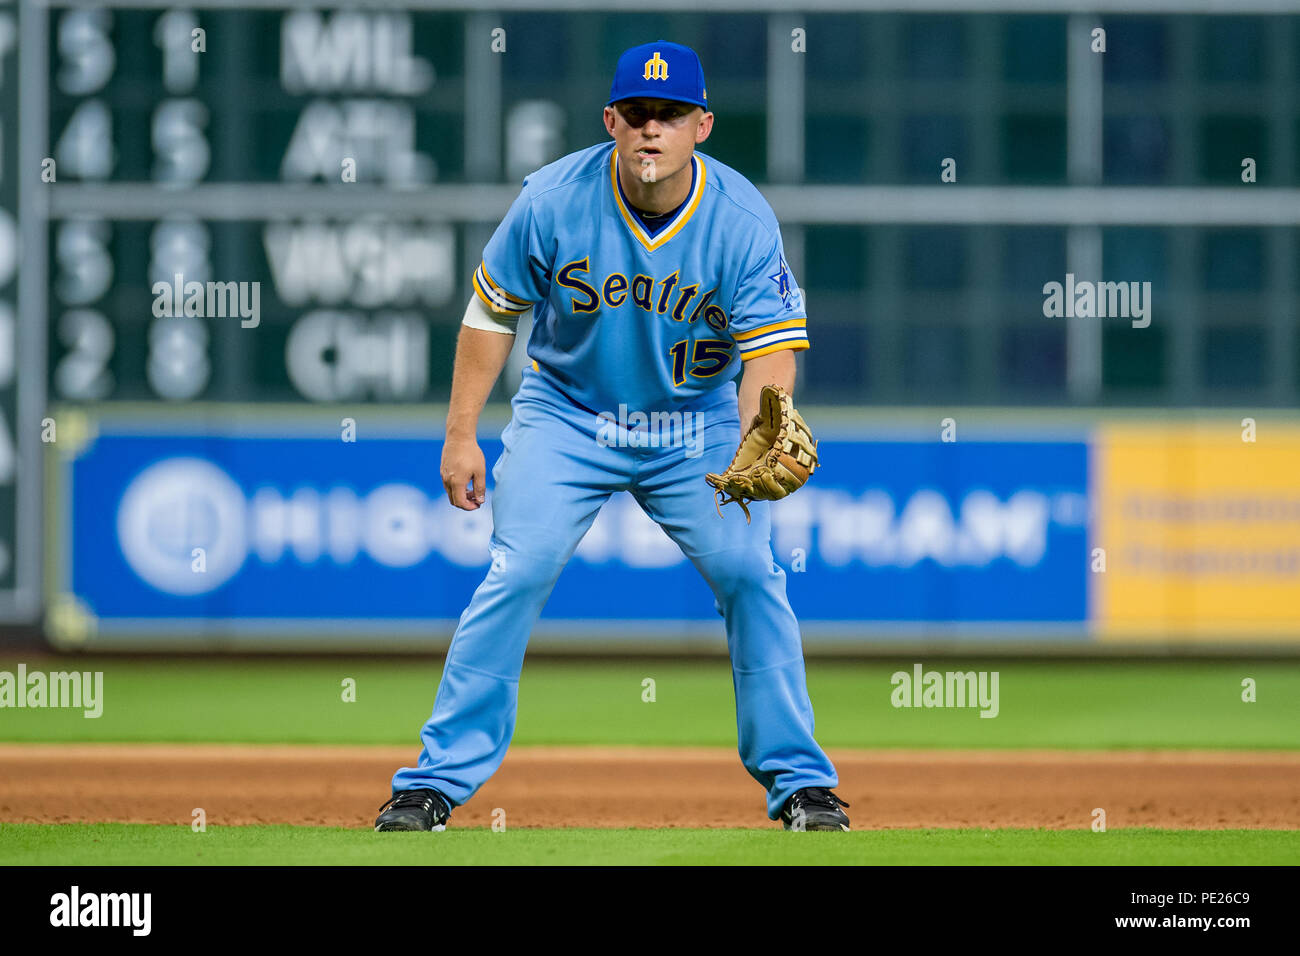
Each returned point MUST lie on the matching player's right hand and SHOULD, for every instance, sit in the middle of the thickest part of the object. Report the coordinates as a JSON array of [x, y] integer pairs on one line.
[[464, 473]]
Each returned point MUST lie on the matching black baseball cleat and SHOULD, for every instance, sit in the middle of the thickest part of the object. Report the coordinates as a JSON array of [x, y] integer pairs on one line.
[[414, 810], [814, 808]]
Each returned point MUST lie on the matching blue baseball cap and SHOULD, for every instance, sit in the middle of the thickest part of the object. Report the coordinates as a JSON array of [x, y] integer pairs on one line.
[[660, 70]]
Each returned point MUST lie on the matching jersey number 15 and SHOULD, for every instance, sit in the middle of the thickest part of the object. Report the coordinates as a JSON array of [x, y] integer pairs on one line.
[[708, 358]]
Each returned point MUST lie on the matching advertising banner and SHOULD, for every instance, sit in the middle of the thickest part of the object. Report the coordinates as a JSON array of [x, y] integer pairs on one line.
[[250, 528], [1200, 525]]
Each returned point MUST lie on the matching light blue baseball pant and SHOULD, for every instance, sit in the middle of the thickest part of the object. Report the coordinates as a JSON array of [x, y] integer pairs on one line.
[[550, 481]]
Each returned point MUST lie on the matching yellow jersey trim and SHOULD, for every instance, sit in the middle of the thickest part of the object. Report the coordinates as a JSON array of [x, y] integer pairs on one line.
[[683, 217], [794, 345], [774, 327], [496, 306], [496, 286]]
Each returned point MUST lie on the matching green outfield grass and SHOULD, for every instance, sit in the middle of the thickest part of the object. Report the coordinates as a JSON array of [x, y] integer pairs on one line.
[[1098, 704], [138, 844]]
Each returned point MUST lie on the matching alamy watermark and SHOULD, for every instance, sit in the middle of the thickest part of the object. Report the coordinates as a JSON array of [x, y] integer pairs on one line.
[[75, 908], [212, 300], [74, 689], [651, 430], [1098, 300], [922, 688]]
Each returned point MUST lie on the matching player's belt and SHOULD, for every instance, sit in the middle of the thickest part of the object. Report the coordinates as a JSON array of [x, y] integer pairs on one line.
[[572, 401]]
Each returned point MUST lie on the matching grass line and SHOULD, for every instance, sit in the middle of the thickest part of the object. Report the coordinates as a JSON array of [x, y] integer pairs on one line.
[[140, 844], [1100, 705]]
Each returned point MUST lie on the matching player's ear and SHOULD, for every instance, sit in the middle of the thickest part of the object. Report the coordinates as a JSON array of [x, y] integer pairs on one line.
[[704, 128], [609, 120]]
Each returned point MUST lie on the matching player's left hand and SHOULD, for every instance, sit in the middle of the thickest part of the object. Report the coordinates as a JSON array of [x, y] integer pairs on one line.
[[776, 457]]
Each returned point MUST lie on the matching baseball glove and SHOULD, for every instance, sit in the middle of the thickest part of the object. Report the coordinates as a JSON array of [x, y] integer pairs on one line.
[[776, 456]]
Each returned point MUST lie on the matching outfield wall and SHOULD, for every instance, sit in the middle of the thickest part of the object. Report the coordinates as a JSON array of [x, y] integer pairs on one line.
[[266, 527]]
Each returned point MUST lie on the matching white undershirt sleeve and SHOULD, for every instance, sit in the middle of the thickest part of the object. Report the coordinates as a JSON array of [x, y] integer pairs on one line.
[[479, 316]]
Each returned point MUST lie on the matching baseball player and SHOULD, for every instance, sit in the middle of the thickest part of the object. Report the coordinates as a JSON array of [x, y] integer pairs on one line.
[[655, 274]]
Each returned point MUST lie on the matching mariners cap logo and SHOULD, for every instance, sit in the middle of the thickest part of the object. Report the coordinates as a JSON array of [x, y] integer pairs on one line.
[[655, 68]]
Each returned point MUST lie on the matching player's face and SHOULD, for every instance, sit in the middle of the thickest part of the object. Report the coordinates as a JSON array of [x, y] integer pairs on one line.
[[661, 133]]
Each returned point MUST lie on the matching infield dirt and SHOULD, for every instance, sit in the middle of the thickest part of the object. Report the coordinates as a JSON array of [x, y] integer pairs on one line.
[[650, 787]]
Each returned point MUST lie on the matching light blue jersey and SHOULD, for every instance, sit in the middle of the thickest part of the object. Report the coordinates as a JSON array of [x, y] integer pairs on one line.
[[625, 317]]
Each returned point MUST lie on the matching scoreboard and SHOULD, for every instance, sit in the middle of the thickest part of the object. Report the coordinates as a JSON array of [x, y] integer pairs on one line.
[[237, 202], [191, 108]]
